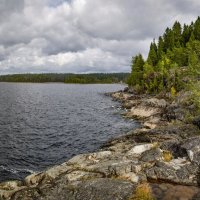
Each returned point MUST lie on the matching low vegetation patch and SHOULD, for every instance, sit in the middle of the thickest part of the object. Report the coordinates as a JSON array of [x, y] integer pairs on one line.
[[142, 192], [167, 156]]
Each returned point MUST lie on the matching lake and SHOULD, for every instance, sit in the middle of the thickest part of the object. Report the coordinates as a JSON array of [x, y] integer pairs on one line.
[[42, 125]]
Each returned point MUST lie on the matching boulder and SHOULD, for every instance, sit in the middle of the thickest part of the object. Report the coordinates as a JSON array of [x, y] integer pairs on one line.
[[151, 155], [129, 104], [139, 149], [154, 102], [176, 171], [142, 112], [192, 147]]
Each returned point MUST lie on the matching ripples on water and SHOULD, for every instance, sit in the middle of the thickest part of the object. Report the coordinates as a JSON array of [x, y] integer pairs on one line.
[[45, 124]]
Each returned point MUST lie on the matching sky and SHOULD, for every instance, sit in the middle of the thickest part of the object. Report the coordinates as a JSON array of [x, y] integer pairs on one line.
[[83, 36]]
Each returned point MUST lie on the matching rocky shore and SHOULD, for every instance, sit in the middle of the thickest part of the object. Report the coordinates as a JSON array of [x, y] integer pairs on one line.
[[158, 161]]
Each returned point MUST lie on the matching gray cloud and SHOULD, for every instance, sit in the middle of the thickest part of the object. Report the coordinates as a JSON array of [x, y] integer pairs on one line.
[[7, 7], [83, 35]]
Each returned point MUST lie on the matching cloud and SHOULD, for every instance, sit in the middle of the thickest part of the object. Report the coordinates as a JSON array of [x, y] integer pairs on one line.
[[83, 35], [7, 7]]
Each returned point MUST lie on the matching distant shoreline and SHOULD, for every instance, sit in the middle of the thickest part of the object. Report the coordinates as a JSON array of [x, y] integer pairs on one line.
[[96, 78], [62, 83]]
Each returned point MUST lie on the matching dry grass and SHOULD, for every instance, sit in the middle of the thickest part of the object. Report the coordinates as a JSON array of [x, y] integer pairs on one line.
[[167, 156], [142, 192], [155, 145]]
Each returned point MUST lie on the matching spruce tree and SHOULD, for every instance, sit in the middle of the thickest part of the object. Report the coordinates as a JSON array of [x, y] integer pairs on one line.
[[152, 57], [160, 51], [137, 70], [177, 32], [197, 29], [186, 34], [168, 40]]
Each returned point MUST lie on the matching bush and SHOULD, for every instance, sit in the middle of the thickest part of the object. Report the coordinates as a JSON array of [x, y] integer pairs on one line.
[[173, 92]]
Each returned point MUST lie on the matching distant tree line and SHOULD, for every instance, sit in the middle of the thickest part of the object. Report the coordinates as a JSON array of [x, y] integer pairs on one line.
[[66, 78], [173, 60]]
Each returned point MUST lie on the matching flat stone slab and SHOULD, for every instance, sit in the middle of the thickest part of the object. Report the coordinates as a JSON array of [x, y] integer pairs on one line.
[[96, 189]]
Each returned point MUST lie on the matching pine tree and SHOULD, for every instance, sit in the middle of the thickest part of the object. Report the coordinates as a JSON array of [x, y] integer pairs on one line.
[[192, 37], [197, 29], [187, 30], [168, 39], [137, 63], [152, 57], [160, 48], [137, 70], [177, 32]]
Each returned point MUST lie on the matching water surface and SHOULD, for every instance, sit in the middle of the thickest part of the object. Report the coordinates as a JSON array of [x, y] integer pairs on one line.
[[45, 124]]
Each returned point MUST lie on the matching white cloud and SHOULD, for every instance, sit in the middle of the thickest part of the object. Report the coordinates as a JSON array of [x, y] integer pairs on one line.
[[83, 35]]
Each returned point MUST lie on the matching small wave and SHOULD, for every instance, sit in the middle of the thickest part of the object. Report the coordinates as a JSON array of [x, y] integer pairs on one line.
[[16, 170]]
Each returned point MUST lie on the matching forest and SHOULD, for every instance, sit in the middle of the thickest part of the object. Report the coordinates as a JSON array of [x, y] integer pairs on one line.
[[173, 62], [67, 78]]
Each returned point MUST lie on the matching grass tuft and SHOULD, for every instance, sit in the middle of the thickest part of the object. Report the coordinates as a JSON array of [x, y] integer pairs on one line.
[[142, 192], [167, 156]]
